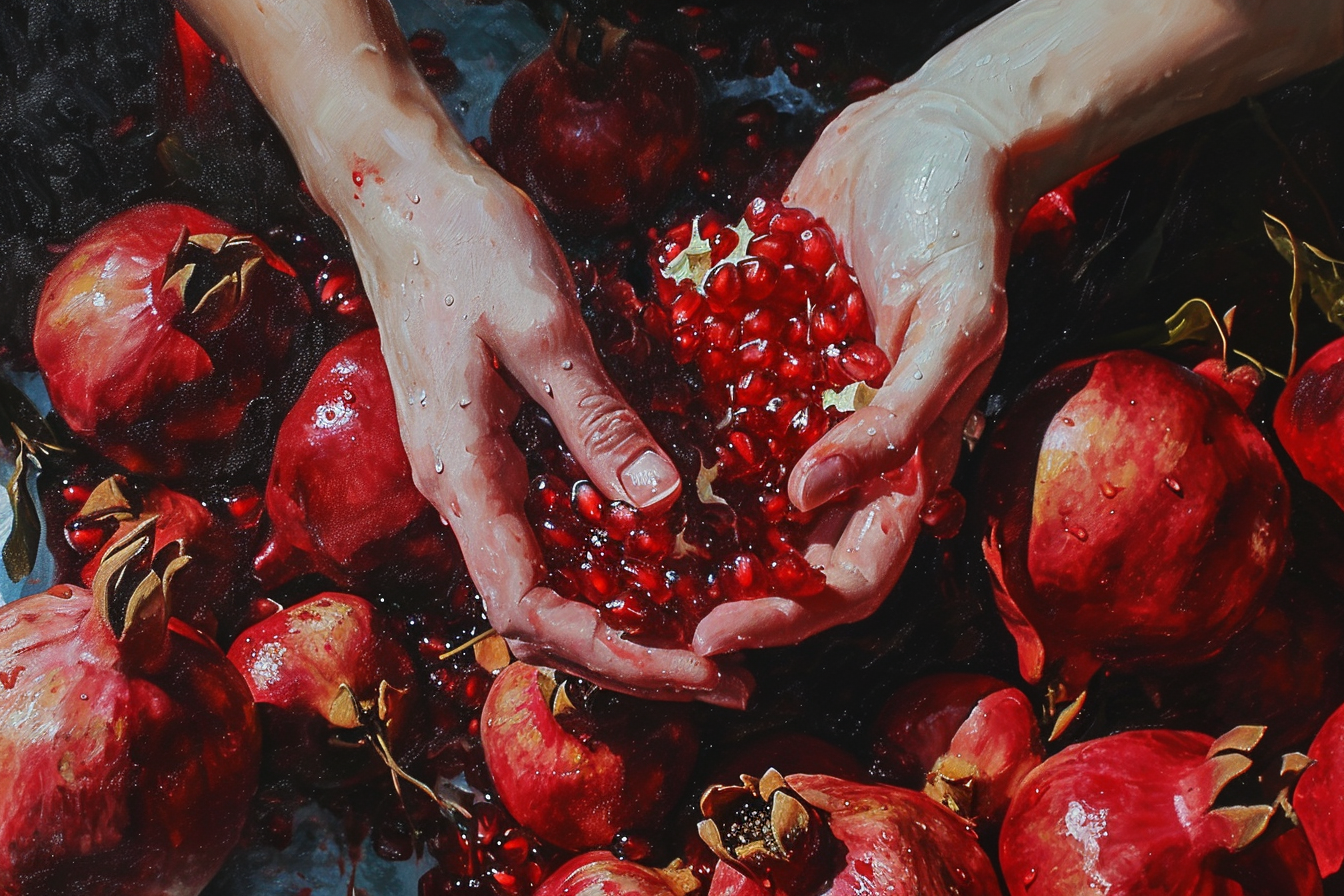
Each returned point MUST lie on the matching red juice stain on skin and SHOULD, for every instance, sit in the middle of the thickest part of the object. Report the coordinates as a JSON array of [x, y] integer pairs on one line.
[[8, 679]]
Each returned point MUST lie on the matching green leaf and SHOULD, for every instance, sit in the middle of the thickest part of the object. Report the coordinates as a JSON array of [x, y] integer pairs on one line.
[[1287, 245], [1325, 281], [20, 552]]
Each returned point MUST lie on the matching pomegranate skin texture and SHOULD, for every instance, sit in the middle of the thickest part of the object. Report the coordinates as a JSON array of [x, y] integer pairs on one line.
[[368, 525], [1137, 518], [844, 839], [130, 750], [576, 775], [1309, 419], [1131, 814], [966, 740], [1319, 797], [158, 329], [598, 145], [599, 873]]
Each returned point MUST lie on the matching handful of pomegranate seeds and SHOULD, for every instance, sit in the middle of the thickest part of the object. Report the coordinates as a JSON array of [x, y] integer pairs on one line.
[[756, 342]]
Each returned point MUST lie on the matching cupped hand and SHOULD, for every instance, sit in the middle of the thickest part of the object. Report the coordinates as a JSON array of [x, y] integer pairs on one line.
[[913, 184], [469, 287]]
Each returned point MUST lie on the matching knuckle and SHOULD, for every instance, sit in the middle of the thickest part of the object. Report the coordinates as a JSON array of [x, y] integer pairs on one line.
[[605, 424]]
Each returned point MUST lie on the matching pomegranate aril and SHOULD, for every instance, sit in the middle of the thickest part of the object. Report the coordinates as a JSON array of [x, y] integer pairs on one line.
[[755, 387], [758, 354], [587, 500], [723, 287], [685, 342], [865, 361], [778, 248], [761, 323], [816, 252], [720, 332], [722, 243], [792, 576], [687, 308], [86, 537], [828, 325], [745, 577], [759, 276]]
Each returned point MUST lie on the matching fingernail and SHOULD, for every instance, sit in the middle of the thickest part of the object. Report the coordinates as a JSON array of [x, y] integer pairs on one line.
[[828, 478], [733, 692], [649, 479]]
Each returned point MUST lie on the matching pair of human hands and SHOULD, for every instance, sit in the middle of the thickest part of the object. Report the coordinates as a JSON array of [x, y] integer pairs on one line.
[[911, 183]]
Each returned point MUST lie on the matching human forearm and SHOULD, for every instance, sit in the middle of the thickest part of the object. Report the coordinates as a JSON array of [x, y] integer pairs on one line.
[[1068, 83], [338, 80]]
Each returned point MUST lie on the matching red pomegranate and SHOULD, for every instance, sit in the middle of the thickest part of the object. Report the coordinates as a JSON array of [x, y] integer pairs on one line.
[[1136, 518], [1132, 813], [967, 740], [599, 129], [1319, 797], [130, 747], [210, 589], [156, 332], [757, 342], [602, 874], [578, 765], [1309, 421], [813, 834], [367, 526], [326, 667]]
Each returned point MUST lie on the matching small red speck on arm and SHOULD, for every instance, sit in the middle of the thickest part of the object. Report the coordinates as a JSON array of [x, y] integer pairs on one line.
[[10, 678]]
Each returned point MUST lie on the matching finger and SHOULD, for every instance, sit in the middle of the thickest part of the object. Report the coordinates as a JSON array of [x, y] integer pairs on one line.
[[555, 361], [936, 356], [563, 629]]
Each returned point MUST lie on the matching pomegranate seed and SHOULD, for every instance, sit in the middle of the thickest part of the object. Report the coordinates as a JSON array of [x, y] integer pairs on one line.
[[76, 493], [720, 332], [86, 537], [816, 252], [723, 288], [865, 361], [776, 247], [793, 576], [759, 276], [587, 500], [686, 308], [944, 513], [758, 354], [745, 576], [827, 325], [755, 387]]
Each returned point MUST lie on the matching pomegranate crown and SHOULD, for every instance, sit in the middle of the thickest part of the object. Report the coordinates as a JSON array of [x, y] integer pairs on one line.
[[767, 831], [130, 594]]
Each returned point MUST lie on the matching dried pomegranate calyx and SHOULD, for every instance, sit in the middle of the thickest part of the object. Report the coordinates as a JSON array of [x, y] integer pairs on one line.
[[213, 274], [766, 830], [108, 501], [130, 592]]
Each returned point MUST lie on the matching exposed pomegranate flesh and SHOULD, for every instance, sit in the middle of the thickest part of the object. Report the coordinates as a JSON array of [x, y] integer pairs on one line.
[[603, 874], [757, 343]]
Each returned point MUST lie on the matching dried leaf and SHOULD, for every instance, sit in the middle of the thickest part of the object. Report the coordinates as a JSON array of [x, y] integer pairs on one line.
[[1287, 245], [1325, 281], [704, 485], [1195, 321], [20, 552], [853, 397]]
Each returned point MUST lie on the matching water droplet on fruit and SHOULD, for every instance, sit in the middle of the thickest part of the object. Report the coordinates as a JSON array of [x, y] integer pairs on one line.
[[463, 402], [1172, 484], [566, 365], [1077, 532], [1067, 421], [448, 300], [1029, 878], [83, 696], [1109, 490], [348, 395]]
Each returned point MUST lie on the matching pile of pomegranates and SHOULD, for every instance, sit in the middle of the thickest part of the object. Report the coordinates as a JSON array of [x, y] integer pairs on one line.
[[1123, 675]]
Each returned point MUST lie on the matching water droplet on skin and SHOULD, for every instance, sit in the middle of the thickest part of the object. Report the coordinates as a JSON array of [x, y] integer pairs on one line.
[[919, 374], [438, 463], [1109, 490], [1173, 485], [872, 431], [463, 402], [547, 388], [415, 199], [421, 397], [956, 233], [415, 257], [83, 696], [448, 300], [1067, 421], [566, 365], [443, 519], [980, 265]]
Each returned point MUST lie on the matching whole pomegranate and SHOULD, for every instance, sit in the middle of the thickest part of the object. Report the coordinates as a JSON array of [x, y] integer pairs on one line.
[[1319, 797], [967, 740], [367, 526], [210, 587], [756, 343], [324, 668], [130, 748], [1309, 419], [1136, 518], [158, 330], [599, 129], [814, 834], [602, 874], [579, 765], [1132, 813]]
